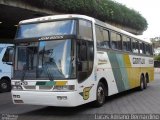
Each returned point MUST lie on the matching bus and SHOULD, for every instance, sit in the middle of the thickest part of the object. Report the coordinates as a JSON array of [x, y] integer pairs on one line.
[[69, 60], [6, 59]]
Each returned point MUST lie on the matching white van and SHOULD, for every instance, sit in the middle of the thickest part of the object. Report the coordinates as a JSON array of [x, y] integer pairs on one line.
[[6, 58]]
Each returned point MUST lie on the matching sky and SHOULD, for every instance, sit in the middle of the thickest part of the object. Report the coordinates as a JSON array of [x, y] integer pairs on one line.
[[149, 9]]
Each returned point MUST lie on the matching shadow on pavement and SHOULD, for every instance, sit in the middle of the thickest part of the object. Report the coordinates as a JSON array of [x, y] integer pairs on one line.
[[70, 111]]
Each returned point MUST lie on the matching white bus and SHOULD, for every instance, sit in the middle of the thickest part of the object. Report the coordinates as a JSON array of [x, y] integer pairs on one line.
[[6, 58], [70, 60]]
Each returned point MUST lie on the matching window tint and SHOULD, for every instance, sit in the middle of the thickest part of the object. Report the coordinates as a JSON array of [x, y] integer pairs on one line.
[[106, 38], [141, 48], [85, 58], [135, 46], [85, 29], [116, 41], [99, 35], [126, 43], [102, 37], [151, 50], [148, 49]]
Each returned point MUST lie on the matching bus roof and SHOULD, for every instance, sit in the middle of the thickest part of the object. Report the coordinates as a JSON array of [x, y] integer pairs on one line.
[[70, 16]]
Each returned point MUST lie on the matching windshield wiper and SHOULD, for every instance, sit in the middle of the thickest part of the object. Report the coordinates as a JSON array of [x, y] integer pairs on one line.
[[50, 76]]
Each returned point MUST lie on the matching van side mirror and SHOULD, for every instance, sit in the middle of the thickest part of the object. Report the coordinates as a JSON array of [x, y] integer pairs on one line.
[[8, 56]]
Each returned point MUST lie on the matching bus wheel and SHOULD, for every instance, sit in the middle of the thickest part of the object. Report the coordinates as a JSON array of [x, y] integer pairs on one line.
[[100, 95], [145, 82], [5, 85], [142, 83]]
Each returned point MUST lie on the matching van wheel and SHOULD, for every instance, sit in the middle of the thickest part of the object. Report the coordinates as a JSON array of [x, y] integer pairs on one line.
[[100, 95], [5, 85]]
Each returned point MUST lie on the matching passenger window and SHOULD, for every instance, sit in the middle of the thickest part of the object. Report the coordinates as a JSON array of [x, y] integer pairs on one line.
[[141, 48], [147, 49], [126, 43], [135, 46], [116, 41], [85, 58], [102, 37], [105, 43], [85, 29], [151, 50], [99, 36]]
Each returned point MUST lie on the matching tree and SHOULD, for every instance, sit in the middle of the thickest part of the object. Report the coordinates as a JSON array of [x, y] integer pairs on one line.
[[105, 10]]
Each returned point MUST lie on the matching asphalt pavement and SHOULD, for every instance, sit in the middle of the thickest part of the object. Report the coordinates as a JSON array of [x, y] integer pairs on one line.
[[129, 102]]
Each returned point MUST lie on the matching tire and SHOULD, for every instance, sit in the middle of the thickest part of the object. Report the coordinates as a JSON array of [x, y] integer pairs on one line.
[[5, 85], [145, 82], [142, 83], [100, 95]]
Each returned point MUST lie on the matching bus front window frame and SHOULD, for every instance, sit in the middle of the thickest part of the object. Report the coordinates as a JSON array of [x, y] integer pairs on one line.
[[84, 73], [73, 32]]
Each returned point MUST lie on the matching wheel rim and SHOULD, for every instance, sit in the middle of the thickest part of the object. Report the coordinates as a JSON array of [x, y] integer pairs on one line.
[[141, 84], [4, 85], [100, 94]]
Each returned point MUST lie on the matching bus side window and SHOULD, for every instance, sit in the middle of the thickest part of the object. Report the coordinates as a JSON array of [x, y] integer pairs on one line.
[[8, 56], [135, 46], [151, 50], [148, 49], [99, 36], [116, 41], [85, 29], [141, 48], [85, 58], [106, 39], [102, 37], [126, 43]]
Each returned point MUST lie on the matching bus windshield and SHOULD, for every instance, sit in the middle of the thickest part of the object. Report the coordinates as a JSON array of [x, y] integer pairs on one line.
[[45, 59], [63, 27], [1, 49]]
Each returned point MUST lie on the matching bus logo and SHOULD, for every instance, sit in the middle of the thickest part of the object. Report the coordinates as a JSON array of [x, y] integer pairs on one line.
[[85, 93]]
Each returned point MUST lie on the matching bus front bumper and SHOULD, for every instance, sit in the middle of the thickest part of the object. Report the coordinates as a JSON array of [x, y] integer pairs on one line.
[[65, 99]]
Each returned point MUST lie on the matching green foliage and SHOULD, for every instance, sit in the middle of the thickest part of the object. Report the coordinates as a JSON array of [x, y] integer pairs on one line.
[[157, 58], [155, 42], [105, 10]]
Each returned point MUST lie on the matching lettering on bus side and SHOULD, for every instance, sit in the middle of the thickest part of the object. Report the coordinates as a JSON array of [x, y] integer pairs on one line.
[[151, 61], [138, 60], [51, 37]]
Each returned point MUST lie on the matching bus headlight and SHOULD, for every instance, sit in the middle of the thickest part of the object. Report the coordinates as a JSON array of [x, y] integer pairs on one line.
[[64, 88], [16, 87]]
